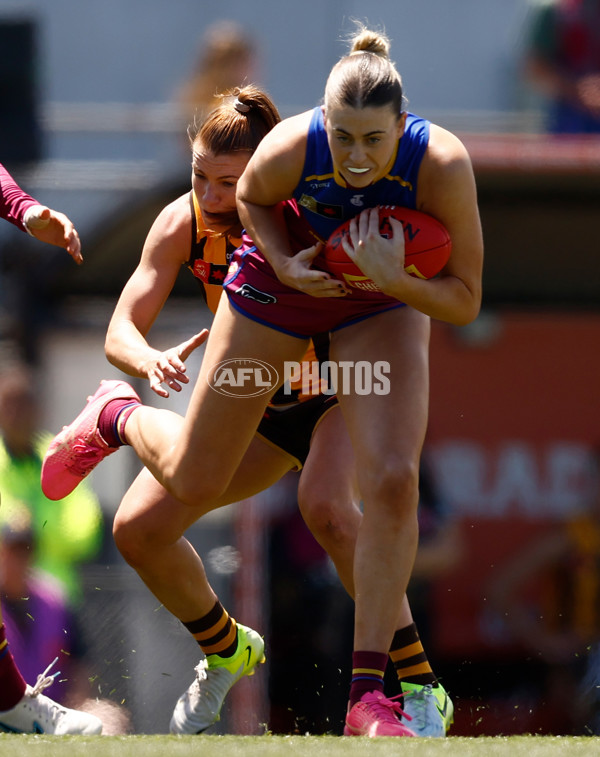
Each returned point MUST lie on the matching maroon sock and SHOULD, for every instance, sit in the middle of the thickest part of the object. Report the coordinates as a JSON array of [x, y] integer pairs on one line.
[[116, 412], [12, 683], [368, 669]]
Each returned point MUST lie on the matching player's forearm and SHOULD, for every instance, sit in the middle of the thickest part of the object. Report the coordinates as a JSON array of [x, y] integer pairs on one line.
[[267, 230], [446, 299], [127, 349], [14, 202]]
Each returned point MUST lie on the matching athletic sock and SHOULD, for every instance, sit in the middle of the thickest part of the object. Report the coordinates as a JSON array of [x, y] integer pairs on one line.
[[409, 658], [12, 683], [112, 420], [368, 669], [215, 632]]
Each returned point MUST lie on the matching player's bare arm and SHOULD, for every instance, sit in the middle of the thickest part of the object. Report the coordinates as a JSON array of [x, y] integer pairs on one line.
[[142, 299], [447, 191], [271, 176]]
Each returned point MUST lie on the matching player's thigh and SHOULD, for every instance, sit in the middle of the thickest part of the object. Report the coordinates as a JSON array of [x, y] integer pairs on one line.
[[149, 512], [219, 428], [329, 472], [262, 466], [387, 426]]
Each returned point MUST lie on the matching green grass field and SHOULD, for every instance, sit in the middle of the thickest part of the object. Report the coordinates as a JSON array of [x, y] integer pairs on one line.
[[283, 746]]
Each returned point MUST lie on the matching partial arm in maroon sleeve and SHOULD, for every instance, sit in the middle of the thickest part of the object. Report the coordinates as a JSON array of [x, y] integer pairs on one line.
[[13, 200], [36, 219]]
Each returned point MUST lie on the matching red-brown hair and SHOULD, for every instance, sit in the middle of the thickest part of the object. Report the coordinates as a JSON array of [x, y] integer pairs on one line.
[[240, 122]]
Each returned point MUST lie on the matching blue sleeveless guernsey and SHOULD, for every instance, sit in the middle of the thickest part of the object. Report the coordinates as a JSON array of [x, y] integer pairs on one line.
[[321, 203], [325, 199]]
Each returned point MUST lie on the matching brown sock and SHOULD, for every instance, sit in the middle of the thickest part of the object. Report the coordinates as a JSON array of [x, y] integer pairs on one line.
[[409, 658], [215, 632]]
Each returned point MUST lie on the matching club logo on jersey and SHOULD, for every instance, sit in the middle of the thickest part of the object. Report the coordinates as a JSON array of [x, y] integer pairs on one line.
[[243, 377], [357, 200], [255, 294]]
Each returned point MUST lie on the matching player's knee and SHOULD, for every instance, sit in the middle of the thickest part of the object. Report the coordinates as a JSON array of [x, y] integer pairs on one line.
[[201, 496], [331, 520], [194, 488], [132, 539], [395, 488]]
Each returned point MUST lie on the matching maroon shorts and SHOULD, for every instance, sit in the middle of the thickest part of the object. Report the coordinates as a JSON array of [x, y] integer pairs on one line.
[[255, 291]]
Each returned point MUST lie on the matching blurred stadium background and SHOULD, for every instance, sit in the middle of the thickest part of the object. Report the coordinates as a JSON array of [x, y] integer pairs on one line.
[[89, 126]]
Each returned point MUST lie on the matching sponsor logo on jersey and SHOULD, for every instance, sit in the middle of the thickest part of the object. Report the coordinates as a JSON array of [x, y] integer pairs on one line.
[[209, 273], [327, 211], [255, 294], [361, 282], [201, 270]]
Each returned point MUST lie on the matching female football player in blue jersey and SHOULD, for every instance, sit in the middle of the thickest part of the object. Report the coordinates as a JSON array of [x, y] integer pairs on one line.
[[339, 161], [360, 150]]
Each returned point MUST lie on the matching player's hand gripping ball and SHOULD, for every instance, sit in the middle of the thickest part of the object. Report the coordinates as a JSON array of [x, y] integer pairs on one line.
[[427, 247]]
